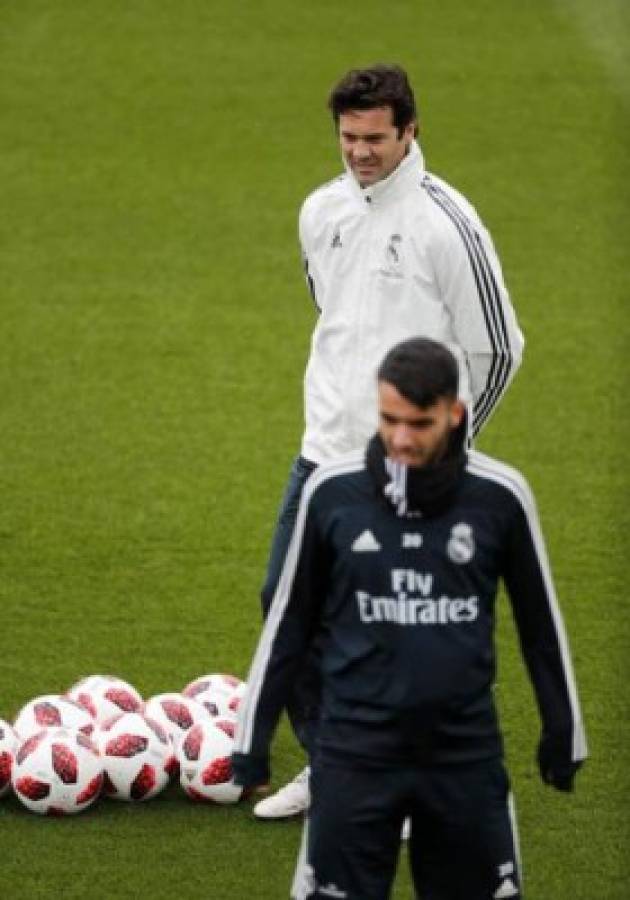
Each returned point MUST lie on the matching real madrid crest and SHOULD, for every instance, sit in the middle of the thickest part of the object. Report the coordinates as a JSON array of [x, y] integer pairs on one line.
[[392, 266], [461, 544]]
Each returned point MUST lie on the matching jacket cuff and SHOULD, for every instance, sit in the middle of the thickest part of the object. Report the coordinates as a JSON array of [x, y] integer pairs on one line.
[[250, 771]]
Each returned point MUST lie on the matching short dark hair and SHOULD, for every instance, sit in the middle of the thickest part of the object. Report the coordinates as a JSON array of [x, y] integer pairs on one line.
[[422, 370], [378, 85]]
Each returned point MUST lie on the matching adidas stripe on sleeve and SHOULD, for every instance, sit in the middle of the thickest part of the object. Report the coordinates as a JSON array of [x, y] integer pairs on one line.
[[285, 636], [539, 621], [473, 288]]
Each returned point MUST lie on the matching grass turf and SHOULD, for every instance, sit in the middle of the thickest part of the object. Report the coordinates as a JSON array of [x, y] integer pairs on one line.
[[154, 331]]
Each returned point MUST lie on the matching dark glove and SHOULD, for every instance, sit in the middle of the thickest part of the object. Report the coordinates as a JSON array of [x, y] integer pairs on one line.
[[555, 763], [250, 771]]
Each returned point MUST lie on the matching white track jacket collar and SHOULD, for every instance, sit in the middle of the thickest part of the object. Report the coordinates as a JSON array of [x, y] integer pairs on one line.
[[410, 168]]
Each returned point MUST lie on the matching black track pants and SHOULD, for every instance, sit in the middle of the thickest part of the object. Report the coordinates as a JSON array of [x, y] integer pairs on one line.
[[463, 843]]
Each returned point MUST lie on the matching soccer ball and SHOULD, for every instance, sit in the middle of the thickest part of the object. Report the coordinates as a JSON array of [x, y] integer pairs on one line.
[[221, 694], [137, 756], [8, 746], [175, 713], [57, 771], [105, 696], [52, 711], [205, 765]]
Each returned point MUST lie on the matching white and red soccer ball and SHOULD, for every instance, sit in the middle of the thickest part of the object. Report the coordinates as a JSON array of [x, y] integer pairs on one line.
[[104, 696], [137, 755], [205, 764], [8, 748], [52, 711], [220, 693], [175, 713], [57, 771]]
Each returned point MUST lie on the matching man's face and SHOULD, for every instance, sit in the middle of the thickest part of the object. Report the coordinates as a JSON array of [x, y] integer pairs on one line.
[[414, 435], [370, 143]]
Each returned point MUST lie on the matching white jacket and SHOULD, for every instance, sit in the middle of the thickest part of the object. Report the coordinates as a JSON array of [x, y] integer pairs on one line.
[[404, 257]]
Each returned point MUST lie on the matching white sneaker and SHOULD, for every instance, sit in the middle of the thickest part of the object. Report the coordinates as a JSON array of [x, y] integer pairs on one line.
[[291, 800]]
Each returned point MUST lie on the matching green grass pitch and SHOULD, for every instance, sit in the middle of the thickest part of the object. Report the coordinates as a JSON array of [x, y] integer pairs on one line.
[[153, 332]]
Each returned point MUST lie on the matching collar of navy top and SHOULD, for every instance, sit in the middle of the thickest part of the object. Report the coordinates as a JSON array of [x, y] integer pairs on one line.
[[426, 490]]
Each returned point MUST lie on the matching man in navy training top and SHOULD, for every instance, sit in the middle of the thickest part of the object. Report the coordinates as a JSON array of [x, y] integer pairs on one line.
[[392, 574]]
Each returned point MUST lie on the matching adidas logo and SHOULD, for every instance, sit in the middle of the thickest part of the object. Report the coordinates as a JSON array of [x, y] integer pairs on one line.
[[366, 543], [506, 890]]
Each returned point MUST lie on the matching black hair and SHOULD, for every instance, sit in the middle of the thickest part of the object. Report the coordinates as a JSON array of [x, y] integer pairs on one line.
[[422, 370], [376, 86]]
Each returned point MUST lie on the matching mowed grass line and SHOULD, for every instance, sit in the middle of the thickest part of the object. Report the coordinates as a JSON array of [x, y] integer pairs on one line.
[[154, 330]]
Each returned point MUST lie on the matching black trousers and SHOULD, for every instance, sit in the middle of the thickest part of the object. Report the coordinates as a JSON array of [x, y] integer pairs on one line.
[[303, 705], [463, 842]]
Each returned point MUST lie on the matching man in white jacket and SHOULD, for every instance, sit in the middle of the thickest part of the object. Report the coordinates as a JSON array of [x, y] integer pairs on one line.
[[390, 252]]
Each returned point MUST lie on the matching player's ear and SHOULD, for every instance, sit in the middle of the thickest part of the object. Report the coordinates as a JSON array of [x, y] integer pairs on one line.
[[410, 132], [457, 413]]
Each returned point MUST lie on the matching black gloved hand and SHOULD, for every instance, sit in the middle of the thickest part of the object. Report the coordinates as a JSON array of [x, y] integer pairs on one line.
[[555, 763]]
